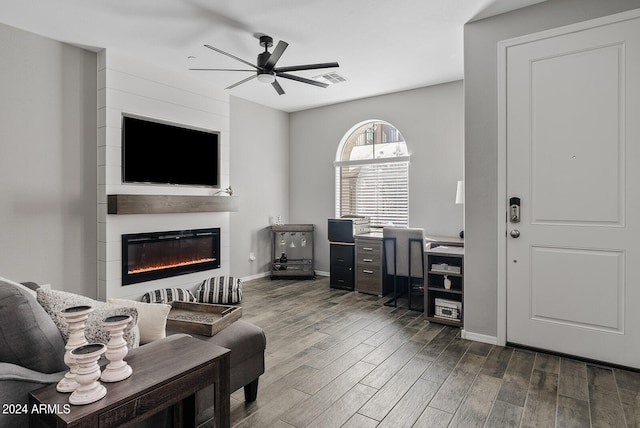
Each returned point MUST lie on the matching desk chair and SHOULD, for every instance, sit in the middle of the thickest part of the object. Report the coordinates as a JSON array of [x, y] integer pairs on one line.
[[403, 253]]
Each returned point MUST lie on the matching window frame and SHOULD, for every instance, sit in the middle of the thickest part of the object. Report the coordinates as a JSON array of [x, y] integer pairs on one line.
[[339, 164]]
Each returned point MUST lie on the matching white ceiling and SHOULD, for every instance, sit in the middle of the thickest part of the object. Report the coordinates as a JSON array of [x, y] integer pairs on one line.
[[382, 46]]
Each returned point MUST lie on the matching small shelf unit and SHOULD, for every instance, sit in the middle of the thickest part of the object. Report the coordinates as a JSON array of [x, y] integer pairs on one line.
[[444, 265], [295, 241]]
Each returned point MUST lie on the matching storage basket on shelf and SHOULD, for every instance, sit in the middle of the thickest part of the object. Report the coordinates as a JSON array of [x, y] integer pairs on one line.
[[449, 309]]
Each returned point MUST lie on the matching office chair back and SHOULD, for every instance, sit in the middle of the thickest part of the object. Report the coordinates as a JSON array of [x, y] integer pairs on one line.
[[406, 244]]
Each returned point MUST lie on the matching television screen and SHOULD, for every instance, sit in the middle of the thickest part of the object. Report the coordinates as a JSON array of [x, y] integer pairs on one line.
[[160, 153]]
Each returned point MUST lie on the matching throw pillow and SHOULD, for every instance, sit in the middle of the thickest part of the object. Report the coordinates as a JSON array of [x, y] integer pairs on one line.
[[28, 337], [54, 301], [226, 290], [152, 318], [168, 295]]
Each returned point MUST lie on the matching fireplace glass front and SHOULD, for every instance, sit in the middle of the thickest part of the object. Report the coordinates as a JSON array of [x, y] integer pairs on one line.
[[149, 256]]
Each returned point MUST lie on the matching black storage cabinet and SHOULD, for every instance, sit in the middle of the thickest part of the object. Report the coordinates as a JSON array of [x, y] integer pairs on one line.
[[342, 257]]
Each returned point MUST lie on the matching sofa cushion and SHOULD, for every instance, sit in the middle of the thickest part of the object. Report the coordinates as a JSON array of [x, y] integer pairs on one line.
[[226, 290], [152, 318], [168, 295], [28, 336], [55, 301]]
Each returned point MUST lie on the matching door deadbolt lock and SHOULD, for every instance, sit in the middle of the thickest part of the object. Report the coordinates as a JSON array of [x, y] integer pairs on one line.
[[514, 210]]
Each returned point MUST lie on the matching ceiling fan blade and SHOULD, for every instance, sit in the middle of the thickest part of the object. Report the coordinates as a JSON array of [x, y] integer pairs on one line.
[[276, 54], [219, 69], [277, 87], [232, 56], [241, 82], [306, 67], [302, 79]]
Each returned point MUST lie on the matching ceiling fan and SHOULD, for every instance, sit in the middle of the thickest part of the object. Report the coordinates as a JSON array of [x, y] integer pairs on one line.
[[265, 69]]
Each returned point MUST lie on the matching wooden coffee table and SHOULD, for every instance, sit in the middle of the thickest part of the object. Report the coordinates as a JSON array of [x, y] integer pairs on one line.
[[165, 373]]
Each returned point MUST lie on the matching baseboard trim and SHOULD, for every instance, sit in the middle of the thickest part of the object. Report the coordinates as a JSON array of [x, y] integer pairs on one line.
[[255, 276], [476, 337], [266, 274]]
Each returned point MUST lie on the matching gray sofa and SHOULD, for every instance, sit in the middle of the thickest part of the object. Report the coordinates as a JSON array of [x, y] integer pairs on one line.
[[32, 351]]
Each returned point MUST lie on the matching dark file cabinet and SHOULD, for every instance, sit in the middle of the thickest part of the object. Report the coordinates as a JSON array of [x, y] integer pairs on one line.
[[342, 266]]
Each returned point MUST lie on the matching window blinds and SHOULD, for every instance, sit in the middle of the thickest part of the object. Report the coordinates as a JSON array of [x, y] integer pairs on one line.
[[377, 190]]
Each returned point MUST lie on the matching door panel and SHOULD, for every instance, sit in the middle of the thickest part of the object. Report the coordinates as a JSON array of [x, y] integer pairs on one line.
[[574, 137], [558, 293], [573, 274]]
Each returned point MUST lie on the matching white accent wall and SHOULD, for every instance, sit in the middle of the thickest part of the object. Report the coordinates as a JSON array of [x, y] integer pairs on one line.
[[127, 85]]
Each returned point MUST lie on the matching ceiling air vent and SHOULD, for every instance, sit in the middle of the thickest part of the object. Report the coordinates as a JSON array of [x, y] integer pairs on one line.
[[330, 78]]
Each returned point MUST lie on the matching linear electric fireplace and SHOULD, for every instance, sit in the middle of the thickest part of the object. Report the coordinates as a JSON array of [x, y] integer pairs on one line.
[[148, 256]]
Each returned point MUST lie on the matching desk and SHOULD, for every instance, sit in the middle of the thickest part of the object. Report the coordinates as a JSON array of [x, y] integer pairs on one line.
[[449, 241], [369, 260], [165, 373]]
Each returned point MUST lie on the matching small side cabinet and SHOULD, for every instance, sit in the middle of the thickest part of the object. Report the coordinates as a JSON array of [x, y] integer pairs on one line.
[[444, 290], [341, 264]]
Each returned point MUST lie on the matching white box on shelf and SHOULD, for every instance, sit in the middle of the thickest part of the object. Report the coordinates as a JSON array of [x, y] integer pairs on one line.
[[449, 309], [445, 268]]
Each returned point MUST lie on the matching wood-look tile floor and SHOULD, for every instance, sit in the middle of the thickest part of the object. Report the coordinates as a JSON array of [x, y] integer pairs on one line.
[[343, 359]]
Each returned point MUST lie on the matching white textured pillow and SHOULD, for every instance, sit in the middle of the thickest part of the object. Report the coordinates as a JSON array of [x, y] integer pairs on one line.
[[54, 301], [152, 318]]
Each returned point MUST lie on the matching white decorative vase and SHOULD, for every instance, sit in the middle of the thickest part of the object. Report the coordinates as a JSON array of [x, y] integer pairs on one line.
[[89, 389], [447, 282], [117, 369], [75, 318]]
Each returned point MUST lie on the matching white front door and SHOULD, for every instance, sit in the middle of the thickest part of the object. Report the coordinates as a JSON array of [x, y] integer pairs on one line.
[[573, 159]]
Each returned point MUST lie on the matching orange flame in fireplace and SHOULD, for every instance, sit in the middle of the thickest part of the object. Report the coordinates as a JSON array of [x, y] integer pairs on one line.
[[170, 265]]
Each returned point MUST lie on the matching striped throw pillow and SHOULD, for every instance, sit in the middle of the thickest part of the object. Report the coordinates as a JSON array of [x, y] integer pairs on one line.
[[167, 295], [226, 290]]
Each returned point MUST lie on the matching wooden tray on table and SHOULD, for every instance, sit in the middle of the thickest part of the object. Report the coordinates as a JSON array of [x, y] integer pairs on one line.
[[205, 319]]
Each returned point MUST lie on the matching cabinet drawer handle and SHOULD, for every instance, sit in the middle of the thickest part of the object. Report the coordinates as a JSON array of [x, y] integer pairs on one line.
[[367, 260], [367, 271], [367, 249], [340, 260], [341, 280]]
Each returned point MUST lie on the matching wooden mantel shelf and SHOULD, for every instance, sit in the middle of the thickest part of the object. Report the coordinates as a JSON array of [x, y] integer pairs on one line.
[[165, 204]]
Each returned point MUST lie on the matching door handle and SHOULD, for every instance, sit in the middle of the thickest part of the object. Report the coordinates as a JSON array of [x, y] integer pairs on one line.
[[515, 233]]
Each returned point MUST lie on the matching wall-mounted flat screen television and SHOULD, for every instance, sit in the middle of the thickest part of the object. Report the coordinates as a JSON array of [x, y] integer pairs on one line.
[[155, 152]]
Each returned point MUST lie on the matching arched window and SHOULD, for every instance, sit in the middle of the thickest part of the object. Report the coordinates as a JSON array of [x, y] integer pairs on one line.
[[372, 174]]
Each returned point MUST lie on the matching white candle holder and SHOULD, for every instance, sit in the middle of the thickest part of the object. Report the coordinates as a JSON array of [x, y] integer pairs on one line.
[[75, 318], [117, 369], [89, 389]]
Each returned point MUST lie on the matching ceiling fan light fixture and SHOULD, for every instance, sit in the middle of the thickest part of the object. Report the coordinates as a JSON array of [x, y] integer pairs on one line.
[[266, 78], [266, 69]]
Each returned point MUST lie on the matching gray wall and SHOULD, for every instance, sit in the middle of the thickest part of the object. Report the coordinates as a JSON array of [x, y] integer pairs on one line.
[[431, 121], [480, 59], [259, 175], [48, 204]]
